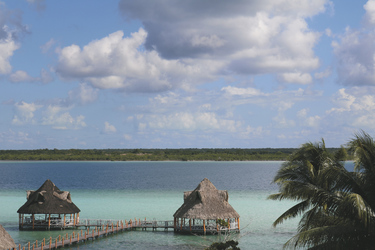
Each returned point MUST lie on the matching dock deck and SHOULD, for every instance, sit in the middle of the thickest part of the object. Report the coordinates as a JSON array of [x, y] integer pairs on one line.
[[94, 229]]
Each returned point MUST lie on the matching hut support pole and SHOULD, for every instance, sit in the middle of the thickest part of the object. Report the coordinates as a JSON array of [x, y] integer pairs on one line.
[[74, 219], [64, 219], [190, 224], [238, 221], [33, 220], [174, 223], [204, 226], [49, 221], [77, 218]]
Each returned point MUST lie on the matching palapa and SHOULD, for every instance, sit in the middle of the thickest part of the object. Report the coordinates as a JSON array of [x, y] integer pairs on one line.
[[48, 199], [206, 203], [6, 241], [51, 202]]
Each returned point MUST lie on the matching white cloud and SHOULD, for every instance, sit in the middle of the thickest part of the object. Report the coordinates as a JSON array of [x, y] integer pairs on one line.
[[115, 62], [190, 122], [22, 76], [59, 118], [84, 94], [302, 78], [25, 113], [127, 137], [370, 11], [242, 91], [254, 36], [7, 48], [309, 121], [355, 52], [324, 74], [109, 129], [47, 46]]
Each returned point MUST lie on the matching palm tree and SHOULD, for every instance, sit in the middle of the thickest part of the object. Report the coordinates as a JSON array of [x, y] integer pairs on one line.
[[336, 206]]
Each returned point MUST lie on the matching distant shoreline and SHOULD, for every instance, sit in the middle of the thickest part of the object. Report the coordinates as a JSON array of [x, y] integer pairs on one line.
[[193, 154]]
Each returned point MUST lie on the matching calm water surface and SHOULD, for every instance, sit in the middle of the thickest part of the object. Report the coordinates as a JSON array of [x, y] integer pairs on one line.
[[127, 190]]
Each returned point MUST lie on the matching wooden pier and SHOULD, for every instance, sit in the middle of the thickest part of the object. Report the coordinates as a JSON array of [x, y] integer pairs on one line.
[[94, 229]]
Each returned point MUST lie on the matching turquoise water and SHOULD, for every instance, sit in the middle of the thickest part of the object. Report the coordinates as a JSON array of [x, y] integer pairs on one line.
[[128, 190]]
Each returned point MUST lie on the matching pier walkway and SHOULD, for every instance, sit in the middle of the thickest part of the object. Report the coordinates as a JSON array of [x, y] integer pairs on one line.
[[94, 229]]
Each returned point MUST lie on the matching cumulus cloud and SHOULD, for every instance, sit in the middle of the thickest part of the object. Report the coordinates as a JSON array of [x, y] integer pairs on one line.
[[84, 94], [24, 113], [11, 28], [190, 122], [309, 121], [109, 129], [251, 37], [354, 107], [60, 118], [355, 52], [48, 45], [7, 48], [115, 62], [22, 76], [370, 11]]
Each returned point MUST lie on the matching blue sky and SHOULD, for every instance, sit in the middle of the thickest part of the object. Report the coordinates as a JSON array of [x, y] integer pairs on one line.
[[185, 74]]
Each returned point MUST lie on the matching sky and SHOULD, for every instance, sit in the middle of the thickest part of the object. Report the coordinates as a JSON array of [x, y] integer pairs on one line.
[[185, 74]]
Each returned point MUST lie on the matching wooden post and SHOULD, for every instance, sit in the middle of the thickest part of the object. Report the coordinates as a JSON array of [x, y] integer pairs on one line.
[[29, 245], [49, 222], [70, 239], [36, 244], [174, 223], [238, 222], [33, 221], [190, 224], [62, 241], [56, 243], [77, 217], [50, 242], [74, 219], [64, 219], [204, 227], [181, 224], [228, 224]]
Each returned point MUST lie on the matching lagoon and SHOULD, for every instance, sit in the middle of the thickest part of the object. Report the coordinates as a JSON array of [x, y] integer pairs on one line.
[[128, 190]]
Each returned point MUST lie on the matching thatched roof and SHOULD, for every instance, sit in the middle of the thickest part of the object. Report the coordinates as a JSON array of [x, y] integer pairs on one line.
[[206, 202], [48, 199], [6, 241]]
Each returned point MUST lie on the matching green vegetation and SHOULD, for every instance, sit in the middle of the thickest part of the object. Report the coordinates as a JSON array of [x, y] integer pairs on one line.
[[147, 154], [337, 206], [193, 154], [228, 245]]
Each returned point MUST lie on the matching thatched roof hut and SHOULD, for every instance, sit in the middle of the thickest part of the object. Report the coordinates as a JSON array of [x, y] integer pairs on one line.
[[206, 203], [6, 241], [47, 200]]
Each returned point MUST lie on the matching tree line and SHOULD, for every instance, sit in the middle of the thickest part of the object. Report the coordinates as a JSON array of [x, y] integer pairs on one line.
[[186, 154]]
